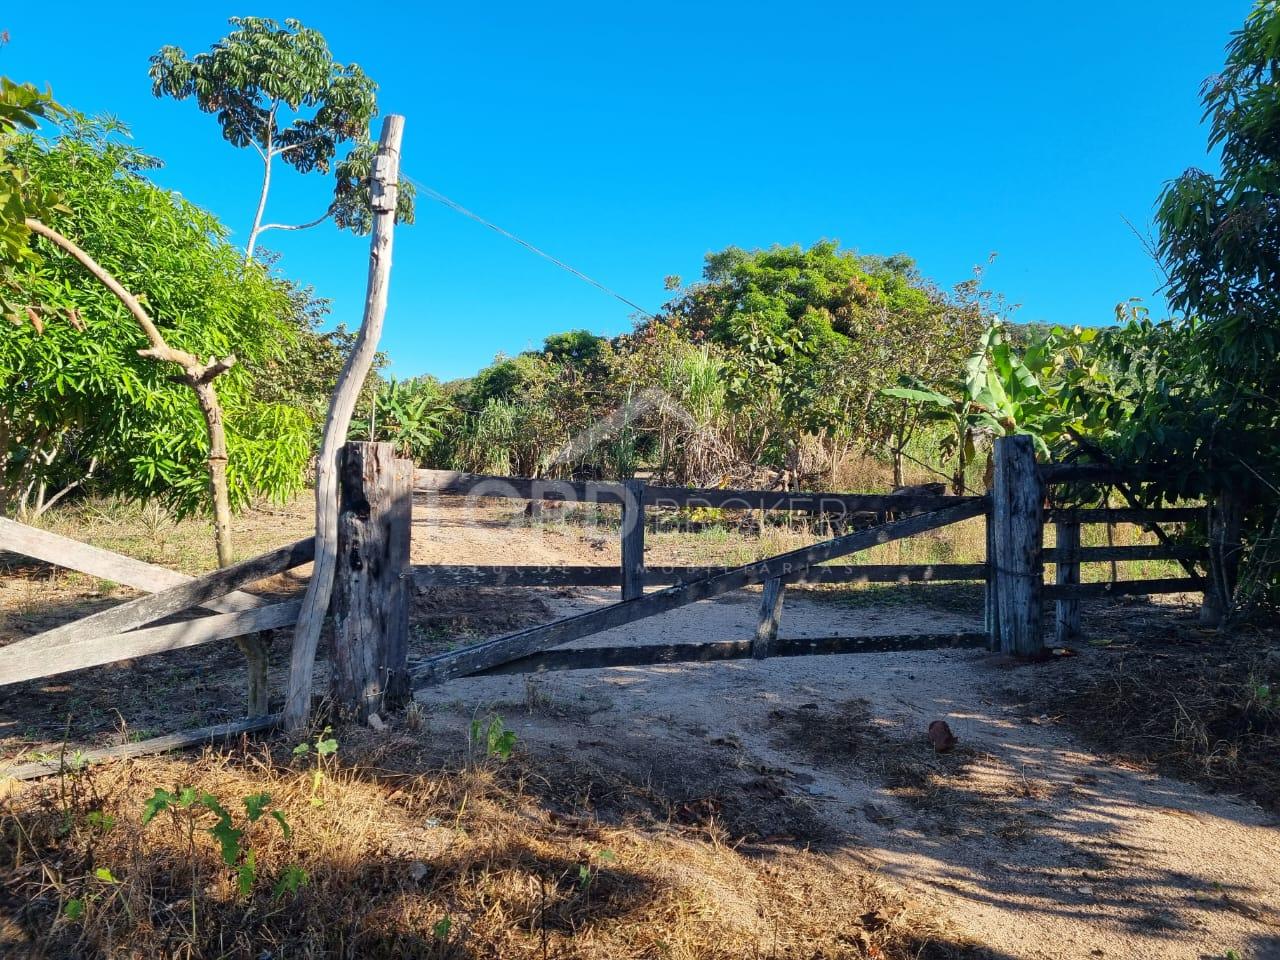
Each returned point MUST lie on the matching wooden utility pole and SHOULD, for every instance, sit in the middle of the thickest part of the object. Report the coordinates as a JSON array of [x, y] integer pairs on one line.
[[383, 189], [369, 669], [1018, 505]]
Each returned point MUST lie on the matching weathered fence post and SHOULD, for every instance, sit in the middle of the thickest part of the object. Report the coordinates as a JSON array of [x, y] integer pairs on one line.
[[1067, 612], [383, 188], [766, 638], [370, 669], [1225, 522], [992, 613], [633, 540], [1018, 503]]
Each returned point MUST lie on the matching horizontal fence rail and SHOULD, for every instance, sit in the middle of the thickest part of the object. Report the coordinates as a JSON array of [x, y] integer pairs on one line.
[[1126, 515], [534, 639], [1121, 588], [22, 664], [435, 575], [524, 488], [650, 654], [1125, 553]]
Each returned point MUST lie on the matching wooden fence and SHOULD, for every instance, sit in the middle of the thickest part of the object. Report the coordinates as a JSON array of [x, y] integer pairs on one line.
[[371, 671]]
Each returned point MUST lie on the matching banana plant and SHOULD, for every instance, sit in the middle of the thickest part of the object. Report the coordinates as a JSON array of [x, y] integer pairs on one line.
[[1001, 393], [410, 414]]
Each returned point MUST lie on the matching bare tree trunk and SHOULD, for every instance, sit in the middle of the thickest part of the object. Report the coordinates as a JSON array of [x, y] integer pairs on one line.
[[199, 377], [315, 604], [267, 156]]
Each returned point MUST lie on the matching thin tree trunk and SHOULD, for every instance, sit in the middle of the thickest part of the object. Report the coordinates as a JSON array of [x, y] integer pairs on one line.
[[267, 144], [73, 485], [315, 604]]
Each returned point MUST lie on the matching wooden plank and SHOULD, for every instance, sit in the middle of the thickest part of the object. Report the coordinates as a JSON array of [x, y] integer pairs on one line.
[[817, 503], [107, 564], [526, 488], [633, 574], [193, 593], [991, 597], [888, 573], [766, 638], [1066, 628], [395, 649], [531, 640], [434, 575], [369, 599], [142, 748], [17, 666], [1122, 588], [1127, 515], [517, 488], [1130, 553], [1018, 502], [642, 655], [1093, 473]]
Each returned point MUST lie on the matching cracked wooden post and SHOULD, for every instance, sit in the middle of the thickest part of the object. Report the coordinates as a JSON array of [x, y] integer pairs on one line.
[[1067, 612], [1018, 505], [633, 540], [766, 638], [383, 186], [991, 596], [370, 670]]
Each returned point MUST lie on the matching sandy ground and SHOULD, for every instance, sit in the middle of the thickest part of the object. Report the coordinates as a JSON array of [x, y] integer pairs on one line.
[[1022, 837]]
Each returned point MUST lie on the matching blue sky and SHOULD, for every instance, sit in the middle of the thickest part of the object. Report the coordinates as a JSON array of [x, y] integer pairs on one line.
[[631, 139]]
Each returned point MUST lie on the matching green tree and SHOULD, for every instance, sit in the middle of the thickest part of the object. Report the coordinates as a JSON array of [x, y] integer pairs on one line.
[[81, 391], [279, 90], [811, 336], [22, 107], [409, 414], [1213, 384]]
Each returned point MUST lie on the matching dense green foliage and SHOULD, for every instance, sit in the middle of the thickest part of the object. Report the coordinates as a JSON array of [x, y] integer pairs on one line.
[[1220, 244], [774, 361], [22, 107], [75, 397]]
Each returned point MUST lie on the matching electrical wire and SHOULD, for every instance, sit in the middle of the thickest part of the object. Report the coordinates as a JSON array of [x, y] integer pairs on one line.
[[440, 198]]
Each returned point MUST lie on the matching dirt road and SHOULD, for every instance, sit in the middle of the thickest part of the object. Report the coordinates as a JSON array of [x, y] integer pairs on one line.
[[1026, 840]]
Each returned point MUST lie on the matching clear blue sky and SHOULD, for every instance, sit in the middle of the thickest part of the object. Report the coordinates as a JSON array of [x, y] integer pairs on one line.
[[631, 139]]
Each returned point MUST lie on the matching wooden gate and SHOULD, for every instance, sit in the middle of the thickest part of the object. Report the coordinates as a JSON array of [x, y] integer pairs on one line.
[[371, 605]]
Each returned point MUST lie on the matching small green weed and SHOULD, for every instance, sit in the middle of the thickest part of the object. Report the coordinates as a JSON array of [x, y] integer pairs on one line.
[[493, 737]]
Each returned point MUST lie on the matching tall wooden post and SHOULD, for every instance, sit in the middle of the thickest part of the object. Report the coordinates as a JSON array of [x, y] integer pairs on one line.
[[765, 643], [370, 669], [1018, 501], [383, 186], [1226, 518], [633, 540], [1067, 612], [992, 612]]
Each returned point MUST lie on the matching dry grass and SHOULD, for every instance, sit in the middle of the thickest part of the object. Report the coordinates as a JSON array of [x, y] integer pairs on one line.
[[471, 859], [1206, 711]]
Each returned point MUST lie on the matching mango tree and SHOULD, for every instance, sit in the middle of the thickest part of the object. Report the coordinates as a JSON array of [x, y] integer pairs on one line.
[[120, 261]]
